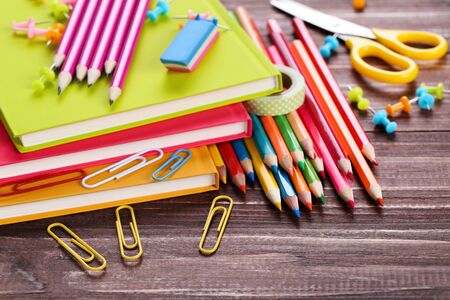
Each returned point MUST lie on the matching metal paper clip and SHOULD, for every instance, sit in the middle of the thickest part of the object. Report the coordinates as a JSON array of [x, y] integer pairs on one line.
[[179, 162], [134, 230], [19, 188], [222, 225], [77, 241], [114, 167]]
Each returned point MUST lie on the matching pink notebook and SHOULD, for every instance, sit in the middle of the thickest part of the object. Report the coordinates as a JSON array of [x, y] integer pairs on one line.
[[202, 128]]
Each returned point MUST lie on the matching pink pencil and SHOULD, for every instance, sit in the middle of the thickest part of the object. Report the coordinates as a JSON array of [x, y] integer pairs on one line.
[[68, 68], [128, 50], [96, 64], [69, 32], [120, 33], [340, 182], [93, 37]]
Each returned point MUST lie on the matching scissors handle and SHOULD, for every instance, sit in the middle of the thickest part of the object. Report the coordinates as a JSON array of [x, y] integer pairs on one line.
[[361, 48], [397, 39]]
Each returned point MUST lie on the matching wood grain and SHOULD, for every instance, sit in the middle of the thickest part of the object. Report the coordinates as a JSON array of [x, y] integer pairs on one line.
[[399, 252]]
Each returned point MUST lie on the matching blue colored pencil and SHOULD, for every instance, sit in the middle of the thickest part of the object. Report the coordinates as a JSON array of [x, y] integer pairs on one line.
[[263, 144], [244, 158], [287, 190]]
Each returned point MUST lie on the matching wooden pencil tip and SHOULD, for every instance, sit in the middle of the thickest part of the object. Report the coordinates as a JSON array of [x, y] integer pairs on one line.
[[224, 179], [243, 188], [375, 162], [322, 175], [380, 201], [297, 213], [351, 204], [290, 171], [350, 176], [278, 206], [309, 206], [322, 199]]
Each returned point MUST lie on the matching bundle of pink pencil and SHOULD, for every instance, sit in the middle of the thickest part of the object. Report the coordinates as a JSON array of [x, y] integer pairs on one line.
[[100, 34]]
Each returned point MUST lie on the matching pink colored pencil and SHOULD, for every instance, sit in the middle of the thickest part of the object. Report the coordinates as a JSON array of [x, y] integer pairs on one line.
[[120, 34], [93, 38], [68, 68], [96, 64], [340, 183], [69, 32], [129, 46]]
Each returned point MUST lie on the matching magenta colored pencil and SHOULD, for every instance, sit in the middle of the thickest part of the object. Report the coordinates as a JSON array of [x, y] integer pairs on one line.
[[129, 46], [69, 32], [119, 35], [93, 37], [68, 68], [96, 63], [340, 182]]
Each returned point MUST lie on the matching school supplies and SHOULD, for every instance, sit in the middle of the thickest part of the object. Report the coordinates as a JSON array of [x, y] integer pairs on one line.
[[218, 161], [212, 126], [330, 44], [301, 187], [190, 45], [47, 76], [138, 157], [302, 134], [93, 36], [59, 10], [291, 140], [359, 5], [380, 119], [404, 104], [176, 161], [424, 99], [390, 46], [128, 49], [51, 35], [123, 244], [234, 71], [197, 175], [226, 211], [162, 8], [233, 166], [77, 241], [250, 27], [244, 158], [70, 62], [265, 177], [287, 191], [333, 88], [263, 144], [437, 90]]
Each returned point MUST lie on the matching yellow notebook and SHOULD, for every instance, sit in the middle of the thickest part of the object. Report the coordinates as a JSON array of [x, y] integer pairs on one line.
[[198, 175]]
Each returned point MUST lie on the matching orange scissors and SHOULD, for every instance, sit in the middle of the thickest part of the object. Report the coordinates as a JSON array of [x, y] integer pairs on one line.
[[391, 45]]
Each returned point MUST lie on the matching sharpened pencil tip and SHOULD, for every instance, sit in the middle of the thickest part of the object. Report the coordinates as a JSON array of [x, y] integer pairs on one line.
[[351, 204], [309, 206], [224, 179], [322, 199], [350, 176], [297, 213], [380, 201], [278, 206], [322, 175], [89, 85], [301, 165], [59, 91], [375, 162], [111, 102], [243, 188], [251, 176]]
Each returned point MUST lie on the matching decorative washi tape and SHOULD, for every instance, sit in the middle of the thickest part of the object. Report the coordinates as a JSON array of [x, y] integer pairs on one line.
[[281, 103]]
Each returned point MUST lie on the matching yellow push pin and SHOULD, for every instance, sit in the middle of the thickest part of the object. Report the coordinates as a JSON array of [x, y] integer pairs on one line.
[[356, 95], [47, 75]]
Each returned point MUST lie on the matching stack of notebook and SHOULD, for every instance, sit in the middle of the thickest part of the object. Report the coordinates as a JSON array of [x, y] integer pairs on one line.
[[44, 134]]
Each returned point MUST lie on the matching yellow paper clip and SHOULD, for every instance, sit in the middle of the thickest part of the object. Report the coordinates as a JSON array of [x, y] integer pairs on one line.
[[134, 230], [222, 225], [77, 241]]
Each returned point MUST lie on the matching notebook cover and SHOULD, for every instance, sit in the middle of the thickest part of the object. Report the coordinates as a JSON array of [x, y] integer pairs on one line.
[[214, 117], [200, 164], [233, 60]]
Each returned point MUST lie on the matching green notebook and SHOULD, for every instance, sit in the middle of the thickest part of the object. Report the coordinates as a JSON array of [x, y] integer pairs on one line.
[[233, 70]]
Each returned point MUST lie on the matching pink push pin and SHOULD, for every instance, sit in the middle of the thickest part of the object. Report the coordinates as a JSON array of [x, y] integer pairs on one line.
[[31, 30], [24, 25], [192, 15]]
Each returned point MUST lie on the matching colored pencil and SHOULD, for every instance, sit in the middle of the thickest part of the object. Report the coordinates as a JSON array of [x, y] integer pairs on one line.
[[347, 114], [244, 158], [120, 33], [275, 137], [233, 166], [280, 42], [338, 124], [97, 61], [265, 177], [287, 191], [71, 60], [302, 134], [301, 187], [317, 163], [249, 26], [340, 183], [314, 183], [128, 49], [218, 162], [275, 56], [94, 34], [69, 32], [263, 144], [291, 140]]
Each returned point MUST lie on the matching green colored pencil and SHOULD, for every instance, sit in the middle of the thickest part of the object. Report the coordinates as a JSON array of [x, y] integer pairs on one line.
[[314, 183]]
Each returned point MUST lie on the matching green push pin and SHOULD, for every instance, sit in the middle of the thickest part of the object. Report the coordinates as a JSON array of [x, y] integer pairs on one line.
[[47, 75], [60, 10], [356, 95], [438, 90]]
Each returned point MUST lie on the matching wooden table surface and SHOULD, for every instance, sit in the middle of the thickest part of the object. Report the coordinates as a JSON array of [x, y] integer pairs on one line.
[[401, 251]]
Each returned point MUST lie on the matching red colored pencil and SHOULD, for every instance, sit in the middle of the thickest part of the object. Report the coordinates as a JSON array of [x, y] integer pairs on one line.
[[233, 165]]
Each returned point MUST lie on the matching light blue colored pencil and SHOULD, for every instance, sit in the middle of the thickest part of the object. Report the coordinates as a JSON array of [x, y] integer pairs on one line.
[[263, 144]]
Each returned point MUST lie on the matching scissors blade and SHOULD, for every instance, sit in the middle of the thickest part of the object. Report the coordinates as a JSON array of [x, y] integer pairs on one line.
[[322, 20]]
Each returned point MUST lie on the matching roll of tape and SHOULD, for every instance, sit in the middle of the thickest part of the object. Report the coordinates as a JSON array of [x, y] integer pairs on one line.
[[282, 103]]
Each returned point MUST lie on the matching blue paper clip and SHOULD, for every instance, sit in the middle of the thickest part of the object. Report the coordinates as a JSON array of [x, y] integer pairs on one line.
[[180, 161]]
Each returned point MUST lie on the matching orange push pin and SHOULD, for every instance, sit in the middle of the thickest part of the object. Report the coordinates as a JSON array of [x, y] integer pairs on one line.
[[54, 34], [403, 105], [359, 5]]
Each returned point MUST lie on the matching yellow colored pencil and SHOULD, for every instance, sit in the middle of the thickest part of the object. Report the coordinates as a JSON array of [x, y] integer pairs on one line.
[[218, 161]]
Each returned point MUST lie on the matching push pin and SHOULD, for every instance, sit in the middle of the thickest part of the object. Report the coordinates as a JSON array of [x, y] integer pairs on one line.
[[425, 99], [162, 9], [356, 95], [192, 15], [205, 17], [403, 105], [24, 25], [330, 45], [51, 35], [47, 75], [438, 90], [60, 10]]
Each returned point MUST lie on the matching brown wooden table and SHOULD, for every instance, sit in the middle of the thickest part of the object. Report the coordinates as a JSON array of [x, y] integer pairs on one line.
[[401, 251]]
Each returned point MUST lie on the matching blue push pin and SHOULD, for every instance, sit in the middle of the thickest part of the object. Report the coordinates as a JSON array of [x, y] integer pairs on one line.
[[162, 8], [380, 118], [425, 99], [331, 43]]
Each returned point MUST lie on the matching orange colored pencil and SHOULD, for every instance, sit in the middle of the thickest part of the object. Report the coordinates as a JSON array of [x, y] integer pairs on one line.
[[233, 165], [301, 187], [274, 134], [336, 121], [249, 26]]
